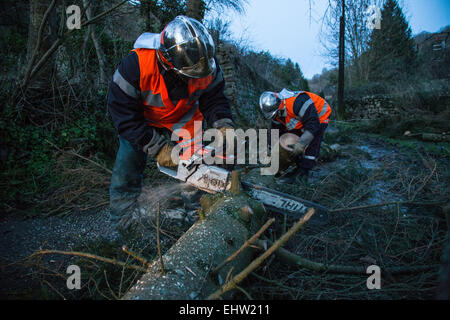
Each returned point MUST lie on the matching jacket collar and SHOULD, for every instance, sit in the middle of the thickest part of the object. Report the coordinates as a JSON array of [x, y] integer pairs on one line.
[[148, 40]]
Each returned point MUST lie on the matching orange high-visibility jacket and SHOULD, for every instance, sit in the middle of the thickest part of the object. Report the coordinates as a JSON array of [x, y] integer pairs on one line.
[[292, 120], [159, 110], [142, 96]]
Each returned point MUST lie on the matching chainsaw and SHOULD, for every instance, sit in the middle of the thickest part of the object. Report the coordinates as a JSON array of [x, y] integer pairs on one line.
[[213, 179]]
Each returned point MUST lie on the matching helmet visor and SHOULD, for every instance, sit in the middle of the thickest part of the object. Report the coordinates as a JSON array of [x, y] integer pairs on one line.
[[193, 58]]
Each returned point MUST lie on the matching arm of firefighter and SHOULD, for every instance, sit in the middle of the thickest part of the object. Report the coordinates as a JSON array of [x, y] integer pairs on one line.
[[126, 110], [214, 105], [306, 112], [277, 125]]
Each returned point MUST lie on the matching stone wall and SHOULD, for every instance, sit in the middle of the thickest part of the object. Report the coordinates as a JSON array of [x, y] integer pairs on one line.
[[434, 100], [243, 86], [371, 107], [225, 56]]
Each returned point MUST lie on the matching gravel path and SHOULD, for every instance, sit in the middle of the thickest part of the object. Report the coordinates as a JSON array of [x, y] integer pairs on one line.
[[61, 233], [21, 237]]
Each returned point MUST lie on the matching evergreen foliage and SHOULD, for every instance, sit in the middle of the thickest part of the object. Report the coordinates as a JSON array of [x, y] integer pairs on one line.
[[392, 52], [282, 73]]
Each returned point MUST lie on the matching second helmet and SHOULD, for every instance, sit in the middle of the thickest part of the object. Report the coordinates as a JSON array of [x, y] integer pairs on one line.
[[269, 103]]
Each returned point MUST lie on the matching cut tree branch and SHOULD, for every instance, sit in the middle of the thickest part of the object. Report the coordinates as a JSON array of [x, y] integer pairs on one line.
[[89, 256], [245, 245], [257, 262]]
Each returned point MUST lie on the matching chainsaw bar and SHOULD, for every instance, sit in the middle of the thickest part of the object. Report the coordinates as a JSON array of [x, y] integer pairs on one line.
[[280, 202]]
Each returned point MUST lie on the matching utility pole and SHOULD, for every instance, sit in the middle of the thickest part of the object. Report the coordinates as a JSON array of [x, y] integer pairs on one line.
[[341, 107]]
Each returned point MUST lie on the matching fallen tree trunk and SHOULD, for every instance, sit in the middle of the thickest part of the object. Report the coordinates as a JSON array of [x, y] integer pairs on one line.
[[229, 220], [433, 137], [430, 137]]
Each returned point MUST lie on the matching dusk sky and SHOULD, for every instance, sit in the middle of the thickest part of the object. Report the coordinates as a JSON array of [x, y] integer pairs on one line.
[[283, 27]]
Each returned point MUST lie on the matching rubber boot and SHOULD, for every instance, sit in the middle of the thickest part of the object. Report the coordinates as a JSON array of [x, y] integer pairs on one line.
[[126, 183]]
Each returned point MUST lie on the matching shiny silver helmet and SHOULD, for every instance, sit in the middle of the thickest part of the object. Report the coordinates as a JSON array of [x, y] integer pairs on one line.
[[188, 47], [269, 103]]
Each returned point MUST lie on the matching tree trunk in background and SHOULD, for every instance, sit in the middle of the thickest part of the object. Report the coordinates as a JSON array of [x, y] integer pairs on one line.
[[145, 12], [341, 107], [148, 9], [37, 14], [195, 9], [98, 47]]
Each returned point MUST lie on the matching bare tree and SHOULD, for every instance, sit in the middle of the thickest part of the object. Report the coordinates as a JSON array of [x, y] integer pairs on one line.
[[39, 39], [357, 34], [38, 65], [219, 30], [195, 9], [148, 9], [98, 47]]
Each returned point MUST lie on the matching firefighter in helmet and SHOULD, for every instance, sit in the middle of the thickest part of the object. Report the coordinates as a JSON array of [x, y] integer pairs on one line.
[[167, 83], [304, 114]]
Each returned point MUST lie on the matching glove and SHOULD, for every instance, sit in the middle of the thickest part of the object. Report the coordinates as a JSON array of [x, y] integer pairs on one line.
[[300, 146], [164, 157], [155, 145], [297, 149]]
